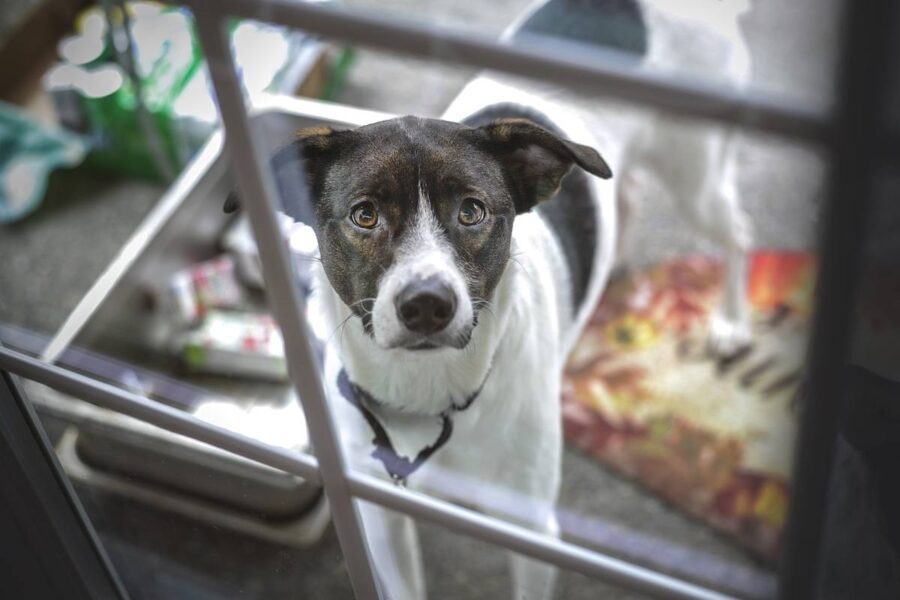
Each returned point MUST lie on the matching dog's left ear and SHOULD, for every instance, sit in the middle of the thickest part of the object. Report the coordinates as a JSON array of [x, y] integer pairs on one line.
[[536, 159]]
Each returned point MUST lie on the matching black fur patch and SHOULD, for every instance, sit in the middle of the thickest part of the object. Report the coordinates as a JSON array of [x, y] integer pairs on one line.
[[613, 24]]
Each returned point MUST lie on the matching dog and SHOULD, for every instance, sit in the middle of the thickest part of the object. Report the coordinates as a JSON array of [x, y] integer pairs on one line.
[[457, 263]]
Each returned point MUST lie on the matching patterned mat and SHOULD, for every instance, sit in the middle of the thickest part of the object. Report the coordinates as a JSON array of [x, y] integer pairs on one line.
[[713, 436]]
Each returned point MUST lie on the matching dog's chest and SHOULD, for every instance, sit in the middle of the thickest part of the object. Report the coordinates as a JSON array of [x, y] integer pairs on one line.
[[518, 404]]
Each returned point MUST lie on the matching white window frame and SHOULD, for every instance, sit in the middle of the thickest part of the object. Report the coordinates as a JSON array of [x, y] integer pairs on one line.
[[846, 133]]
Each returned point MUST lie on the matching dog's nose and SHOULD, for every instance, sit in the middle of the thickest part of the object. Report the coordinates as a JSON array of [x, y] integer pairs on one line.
[[426, 306]]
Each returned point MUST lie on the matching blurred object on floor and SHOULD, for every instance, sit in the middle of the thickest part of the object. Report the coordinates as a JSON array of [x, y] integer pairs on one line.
[[714, 436]]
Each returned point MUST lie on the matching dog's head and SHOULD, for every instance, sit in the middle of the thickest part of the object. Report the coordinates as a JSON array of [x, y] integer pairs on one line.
[[414, 216]]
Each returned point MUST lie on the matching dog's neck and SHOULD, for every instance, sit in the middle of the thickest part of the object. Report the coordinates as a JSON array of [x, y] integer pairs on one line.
[[422, 382]]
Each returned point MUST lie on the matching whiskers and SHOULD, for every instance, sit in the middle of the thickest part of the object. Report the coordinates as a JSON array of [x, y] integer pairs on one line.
[[524, 269], [306, 257], [340, 328], [361, 302], [363, 308], [482, 304]]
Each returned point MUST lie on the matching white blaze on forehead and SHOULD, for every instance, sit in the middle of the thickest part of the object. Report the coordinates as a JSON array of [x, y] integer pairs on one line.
[[425, 235], [424, 252]]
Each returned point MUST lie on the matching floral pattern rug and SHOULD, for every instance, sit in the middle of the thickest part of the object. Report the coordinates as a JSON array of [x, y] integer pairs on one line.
[[711, 435]]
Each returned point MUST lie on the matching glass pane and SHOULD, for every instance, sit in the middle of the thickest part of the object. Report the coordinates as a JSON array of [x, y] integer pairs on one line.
[[678, 408], [92, 143], [667, 440], [678, 412], [123, 274]]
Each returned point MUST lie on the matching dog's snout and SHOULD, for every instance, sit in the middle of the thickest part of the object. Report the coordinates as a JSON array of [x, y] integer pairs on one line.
[[426, 306]]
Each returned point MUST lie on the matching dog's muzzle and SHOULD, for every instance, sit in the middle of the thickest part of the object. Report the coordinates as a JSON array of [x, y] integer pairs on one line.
[[426, 306]]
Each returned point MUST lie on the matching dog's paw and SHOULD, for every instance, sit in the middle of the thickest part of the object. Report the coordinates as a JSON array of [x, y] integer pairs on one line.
[[727, 336]]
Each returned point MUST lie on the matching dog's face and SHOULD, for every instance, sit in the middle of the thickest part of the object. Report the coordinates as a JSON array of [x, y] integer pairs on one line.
[[414, 216]]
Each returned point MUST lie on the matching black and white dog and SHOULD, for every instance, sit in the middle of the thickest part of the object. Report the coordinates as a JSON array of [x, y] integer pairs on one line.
[[459, 261]]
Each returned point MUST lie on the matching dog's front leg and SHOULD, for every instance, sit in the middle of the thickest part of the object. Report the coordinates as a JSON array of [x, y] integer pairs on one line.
[[394, 548], [534, 579], [533, 476]]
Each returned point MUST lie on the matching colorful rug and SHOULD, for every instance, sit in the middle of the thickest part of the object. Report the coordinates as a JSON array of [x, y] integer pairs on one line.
[[713, 436]]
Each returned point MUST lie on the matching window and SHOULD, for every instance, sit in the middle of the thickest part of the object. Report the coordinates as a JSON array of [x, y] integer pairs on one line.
[[662, 432]]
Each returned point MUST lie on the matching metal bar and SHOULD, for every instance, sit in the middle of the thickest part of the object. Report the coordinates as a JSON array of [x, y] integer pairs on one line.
[[860, 116], [165, 417], [526, 541], [604, 72], [489, 529], [259, 202]]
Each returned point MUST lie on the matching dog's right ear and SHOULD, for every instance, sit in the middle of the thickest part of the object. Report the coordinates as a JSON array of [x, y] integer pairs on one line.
[[297, 164]]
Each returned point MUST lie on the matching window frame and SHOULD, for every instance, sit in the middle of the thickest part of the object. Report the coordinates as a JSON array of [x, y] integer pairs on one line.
[[846, 134]]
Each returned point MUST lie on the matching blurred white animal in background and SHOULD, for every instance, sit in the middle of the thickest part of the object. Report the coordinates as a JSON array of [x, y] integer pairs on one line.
[[694, 164]]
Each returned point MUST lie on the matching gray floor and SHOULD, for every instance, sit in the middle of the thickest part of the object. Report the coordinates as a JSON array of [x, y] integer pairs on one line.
[[50, 259]]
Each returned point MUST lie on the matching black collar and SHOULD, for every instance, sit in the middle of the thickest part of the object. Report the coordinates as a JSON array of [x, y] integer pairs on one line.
[[399, 467]]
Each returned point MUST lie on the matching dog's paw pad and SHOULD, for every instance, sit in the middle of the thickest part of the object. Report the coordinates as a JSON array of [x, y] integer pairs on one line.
[[727, 337]]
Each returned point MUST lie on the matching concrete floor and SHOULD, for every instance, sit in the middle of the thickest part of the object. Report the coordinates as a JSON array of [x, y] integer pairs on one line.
[[51, 258]]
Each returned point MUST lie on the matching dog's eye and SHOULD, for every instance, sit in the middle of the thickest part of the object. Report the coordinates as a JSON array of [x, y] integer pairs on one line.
[[364, 215], [471, 212]]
